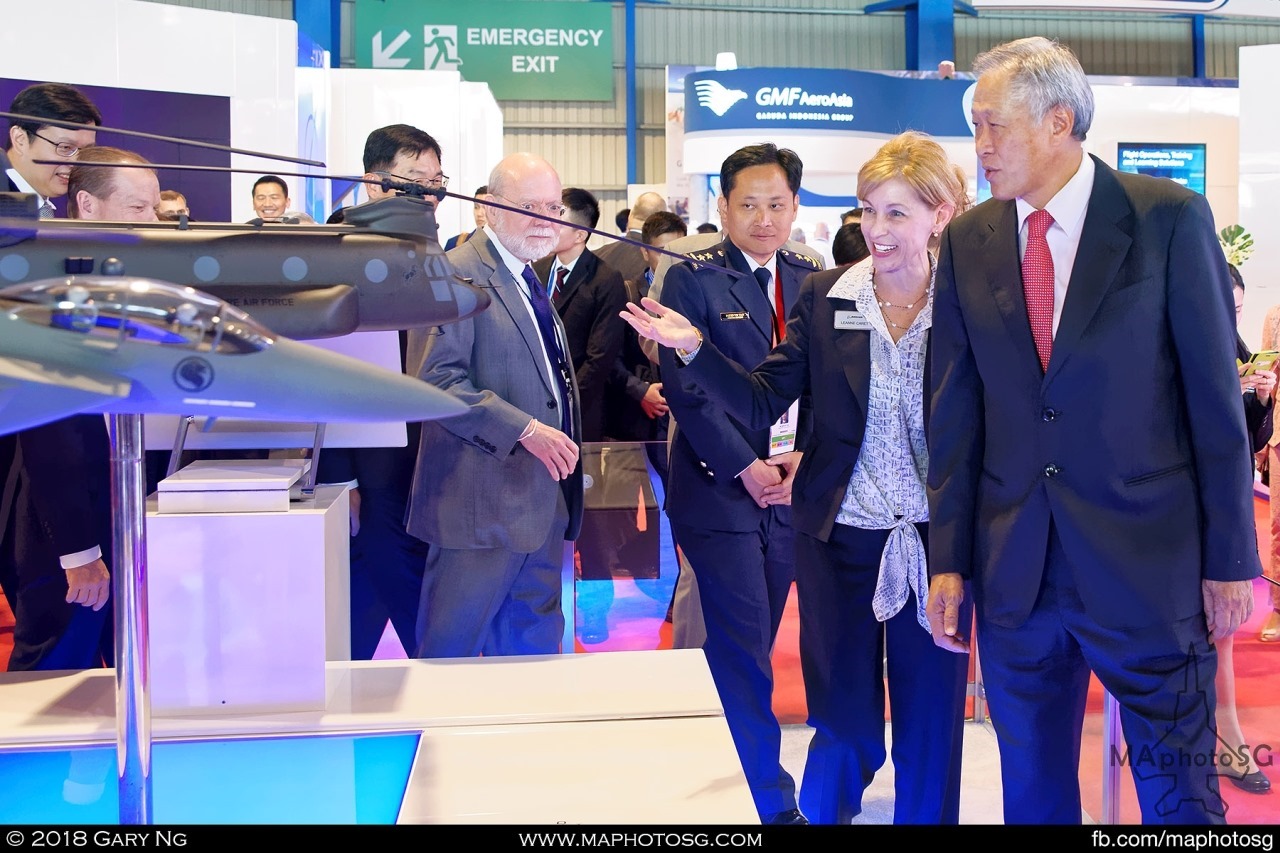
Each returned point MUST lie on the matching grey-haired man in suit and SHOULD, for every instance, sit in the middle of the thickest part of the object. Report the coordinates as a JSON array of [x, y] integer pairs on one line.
[[498, 490]]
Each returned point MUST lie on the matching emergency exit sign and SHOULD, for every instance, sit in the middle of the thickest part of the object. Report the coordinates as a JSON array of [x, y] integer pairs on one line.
[[524, 51]]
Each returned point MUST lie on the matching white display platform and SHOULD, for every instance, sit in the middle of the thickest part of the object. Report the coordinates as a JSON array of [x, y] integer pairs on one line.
[[245, 608], [227, 485], [610, 737], [680, 770]]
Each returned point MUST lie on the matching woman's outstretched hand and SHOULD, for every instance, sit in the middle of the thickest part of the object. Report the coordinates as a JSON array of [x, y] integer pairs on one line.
[[655, 321]]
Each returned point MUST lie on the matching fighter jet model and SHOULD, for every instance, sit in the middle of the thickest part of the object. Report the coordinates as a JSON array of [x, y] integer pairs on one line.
[[382, 270], [128, 345]]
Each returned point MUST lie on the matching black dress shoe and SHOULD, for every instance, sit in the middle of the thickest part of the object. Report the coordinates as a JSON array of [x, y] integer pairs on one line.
[[791, 817], [1254, 783]]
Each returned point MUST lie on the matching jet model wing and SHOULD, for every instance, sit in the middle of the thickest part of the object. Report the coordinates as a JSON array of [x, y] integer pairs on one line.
[[136, 346]]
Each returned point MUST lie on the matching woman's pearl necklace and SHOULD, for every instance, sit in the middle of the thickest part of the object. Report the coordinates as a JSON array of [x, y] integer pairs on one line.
[[884, 303]]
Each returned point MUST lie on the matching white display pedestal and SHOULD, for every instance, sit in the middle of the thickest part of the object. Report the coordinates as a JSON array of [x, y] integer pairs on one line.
[[246, 607]]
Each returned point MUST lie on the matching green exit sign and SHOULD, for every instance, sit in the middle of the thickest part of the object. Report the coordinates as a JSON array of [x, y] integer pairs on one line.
[[524, 51]]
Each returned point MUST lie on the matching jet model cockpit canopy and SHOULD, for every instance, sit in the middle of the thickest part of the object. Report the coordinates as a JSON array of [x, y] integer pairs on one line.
[[119, 308]]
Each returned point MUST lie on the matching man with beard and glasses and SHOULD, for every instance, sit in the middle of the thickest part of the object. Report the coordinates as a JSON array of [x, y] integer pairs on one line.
[[498, 490]]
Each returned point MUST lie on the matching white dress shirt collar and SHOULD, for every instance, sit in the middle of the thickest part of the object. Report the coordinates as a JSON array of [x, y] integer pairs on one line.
[[23, 186], [513, 264], [1070, 204]]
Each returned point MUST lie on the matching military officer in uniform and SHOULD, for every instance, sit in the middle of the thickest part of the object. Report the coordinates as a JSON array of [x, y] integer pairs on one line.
[[729, 486]]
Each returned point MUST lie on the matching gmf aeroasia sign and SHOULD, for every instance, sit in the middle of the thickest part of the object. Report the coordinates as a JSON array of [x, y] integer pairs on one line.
[[524, 51], [822, 99]]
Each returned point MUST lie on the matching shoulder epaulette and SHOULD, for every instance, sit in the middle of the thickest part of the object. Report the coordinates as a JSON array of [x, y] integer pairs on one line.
[[801, 260], [705, 255], [708, 257]]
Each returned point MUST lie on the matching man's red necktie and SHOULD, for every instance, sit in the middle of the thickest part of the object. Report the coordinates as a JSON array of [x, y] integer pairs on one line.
[[1037, 283], [779, 308]]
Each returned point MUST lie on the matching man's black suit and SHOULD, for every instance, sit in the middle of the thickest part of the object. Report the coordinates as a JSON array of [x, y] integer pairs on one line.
[[386, 562], [626, 258], [589, 306], [1087, 502], [56, 501]]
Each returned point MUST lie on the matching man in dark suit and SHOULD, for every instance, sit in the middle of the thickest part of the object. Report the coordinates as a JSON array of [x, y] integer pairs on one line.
[[28, 141], [1089, 468], [55, 523], [636, 409], [386, 561], [498, 490], [625, 257], [729, 486], [588, 294], [477, 213]]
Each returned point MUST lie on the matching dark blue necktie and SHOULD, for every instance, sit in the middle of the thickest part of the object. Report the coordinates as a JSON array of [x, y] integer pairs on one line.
[[547, 327], [764, 278]]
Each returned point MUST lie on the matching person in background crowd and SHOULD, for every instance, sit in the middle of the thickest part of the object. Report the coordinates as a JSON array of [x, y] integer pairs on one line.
[[32, 140], [626, 258], [270, 198], [172, 206], [636, 410], [1257, 388], [386, 560], [821, 243], [588, 294], [55, 551], [849, 245], [708, 228], [620, 220], [477, 213], [1270, 632]]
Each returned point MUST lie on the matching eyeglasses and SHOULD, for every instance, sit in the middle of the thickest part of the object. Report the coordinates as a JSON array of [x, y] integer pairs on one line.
[[551, 208], [437, 183], [64, 149]]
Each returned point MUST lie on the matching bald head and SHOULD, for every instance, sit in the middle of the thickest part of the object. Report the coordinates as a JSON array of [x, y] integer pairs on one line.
[[525, 181], [646, 205]]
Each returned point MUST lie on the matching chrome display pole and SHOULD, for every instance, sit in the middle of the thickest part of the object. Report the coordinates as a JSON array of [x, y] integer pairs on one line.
[[129, 587], [1110, 769]]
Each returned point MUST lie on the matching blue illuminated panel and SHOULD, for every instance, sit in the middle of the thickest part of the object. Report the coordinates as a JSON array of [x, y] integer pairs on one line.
[[314, 779]]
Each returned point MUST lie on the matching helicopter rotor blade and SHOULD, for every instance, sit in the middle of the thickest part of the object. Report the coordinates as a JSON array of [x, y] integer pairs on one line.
[[99, 128]]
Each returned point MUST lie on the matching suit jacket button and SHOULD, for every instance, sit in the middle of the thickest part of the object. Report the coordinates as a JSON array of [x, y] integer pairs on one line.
[[551, 404], [1052, 470], [1049, 414]]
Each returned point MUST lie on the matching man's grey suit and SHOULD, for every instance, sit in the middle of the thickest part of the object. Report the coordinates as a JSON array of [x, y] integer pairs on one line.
[[476, 489]]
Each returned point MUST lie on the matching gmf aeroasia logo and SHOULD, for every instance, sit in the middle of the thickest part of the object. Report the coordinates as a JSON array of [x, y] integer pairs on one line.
[[717, 98], [797, 97], [720, 99]]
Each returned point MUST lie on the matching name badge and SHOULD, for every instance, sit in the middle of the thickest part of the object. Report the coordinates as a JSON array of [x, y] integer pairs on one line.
[[852, 320], [735, 315], [782, 435]]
